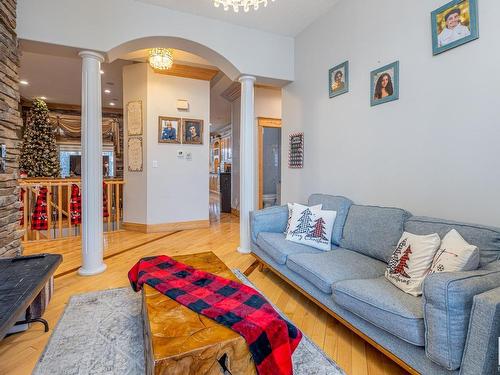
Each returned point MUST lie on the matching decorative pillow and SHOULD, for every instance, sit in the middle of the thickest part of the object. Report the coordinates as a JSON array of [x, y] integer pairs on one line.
[[455, 254], [312, 227], [412, 261], [300, 207]]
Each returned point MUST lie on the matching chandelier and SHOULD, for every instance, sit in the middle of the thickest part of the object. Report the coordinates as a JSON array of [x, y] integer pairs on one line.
[[245, 4], [161, 58]]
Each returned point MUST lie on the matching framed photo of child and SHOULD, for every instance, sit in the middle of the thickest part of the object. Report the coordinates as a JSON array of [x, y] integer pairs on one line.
[[339, 79], [169, 130], [192, 131], [385, 84], [454, 24]]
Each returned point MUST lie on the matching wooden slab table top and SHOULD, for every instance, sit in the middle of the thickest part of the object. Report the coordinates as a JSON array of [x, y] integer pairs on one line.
[[178, 341]]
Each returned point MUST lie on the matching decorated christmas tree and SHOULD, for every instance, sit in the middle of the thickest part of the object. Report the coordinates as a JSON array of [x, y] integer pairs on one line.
[[403, 263], [318, 232], [304, 223], [39, 156]]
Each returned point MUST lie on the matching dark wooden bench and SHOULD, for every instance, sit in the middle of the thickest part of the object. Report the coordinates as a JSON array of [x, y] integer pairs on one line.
[[21, 280]]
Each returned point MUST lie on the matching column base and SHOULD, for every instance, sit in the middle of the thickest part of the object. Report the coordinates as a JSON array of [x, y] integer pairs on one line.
[[242, 250], [91, 272]]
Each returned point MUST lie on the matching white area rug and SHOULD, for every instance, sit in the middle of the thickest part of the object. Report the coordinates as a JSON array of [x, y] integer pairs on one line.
[[101, 333]]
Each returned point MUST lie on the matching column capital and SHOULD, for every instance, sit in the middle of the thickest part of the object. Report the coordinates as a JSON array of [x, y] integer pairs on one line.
[[92, 55], [247, 79]]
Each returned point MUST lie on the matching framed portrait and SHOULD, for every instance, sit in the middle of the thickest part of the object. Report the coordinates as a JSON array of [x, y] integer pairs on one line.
[[169, 129], [134, 117], [338, 79], [134, 154], [385, 84], [192, 131], [454, 24]]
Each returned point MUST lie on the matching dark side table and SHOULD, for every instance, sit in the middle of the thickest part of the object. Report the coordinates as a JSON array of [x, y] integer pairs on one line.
[[21, 280]]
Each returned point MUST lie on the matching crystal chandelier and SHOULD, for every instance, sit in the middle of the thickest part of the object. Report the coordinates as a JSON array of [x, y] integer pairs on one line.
[[245, 4], [161, 58]]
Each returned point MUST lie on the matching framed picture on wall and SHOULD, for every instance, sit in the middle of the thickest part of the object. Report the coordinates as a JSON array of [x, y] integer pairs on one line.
[[338, 79], [134, 154], [169, 129], [192, 131], [454, 24], [134, 117], [296, 150], [384, 84]]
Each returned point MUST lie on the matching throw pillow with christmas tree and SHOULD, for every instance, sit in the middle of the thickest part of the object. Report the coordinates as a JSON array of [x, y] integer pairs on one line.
[[312, 227], [411, 261]]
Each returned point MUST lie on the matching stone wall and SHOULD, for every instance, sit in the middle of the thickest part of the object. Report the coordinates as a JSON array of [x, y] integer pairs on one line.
[[10, 130]]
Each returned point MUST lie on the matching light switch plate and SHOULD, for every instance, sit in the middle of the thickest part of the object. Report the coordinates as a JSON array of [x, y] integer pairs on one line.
[[155, 163]]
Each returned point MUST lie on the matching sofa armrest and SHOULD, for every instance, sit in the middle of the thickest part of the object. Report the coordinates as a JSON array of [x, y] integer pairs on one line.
[[448, 299], [481, 348], [272, 219]]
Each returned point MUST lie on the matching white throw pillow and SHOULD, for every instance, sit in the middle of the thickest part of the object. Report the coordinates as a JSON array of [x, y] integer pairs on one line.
[[455, 254], [411, 261], [299, 207], [312, 227]]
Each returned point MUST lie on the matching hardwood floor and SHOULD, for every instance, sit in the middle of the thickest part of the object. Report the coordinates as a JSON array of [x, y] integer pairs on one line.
[[19, 353]]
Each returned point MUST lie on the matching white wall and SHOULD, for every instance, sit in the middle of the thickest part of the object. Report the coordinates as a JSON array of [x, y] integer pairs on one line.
[[135, 198], [435, 151], [103, 25], [177, 190]]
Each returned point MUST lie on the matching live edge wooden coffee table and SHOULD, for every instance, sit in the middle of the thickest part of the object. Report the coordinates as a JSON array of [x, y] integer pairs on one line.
[[179, 341]]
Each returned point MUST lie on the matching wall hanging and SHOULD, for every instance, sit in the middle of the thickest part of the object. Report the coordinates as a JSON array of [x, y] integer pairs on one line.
[[296, 150]]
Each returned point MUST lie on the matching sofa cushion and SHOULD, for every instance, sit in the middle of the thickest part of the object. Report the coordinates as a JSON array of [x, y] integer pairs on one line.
[[374, 231], [487, 239], [384, 305], [277, 247], [322, 270], [333, 203]]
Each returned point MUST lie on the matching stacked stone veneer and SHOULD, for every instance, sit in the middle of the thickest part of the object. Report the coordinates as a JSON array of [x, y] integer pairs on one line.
[[10, 130]]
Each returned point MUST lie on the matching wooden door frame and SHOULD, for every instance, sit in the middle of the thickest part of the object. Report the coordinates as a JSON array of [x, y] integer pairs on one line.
[[263, 122]]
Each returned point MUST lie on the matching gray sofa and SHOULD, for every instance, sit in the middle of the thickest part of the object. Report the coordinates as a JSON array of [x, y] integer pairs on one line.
[[452, 328]]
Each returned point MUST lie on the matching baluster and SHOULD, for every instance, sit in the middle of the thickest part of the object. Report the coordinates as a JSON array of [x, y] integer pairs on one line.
[[68, 192], [59, 209], [117, 197], [49, 211], [25, 212], [108, 202]]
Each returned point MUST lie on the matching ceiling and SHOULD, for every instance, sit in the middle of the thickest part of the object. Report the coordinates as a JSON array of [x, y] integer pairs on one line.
[[284, 17], [58, 78]]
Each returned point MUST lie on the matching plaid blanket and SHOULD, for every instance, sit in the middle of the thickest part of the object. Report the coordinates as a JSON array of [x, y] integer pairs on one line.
[[270, 338], [39, 218]]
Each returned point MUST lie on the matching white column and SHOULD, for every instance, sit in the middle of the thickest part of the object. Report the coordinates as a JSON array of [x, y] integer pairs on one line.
[[247, 160], [92, 222]]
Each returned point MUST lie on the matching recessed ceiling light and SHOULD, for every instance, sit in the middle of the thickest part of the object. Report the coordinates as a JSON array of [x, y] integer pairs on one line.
[[102, 71], [107, 91], [24, 82], [112, 104]]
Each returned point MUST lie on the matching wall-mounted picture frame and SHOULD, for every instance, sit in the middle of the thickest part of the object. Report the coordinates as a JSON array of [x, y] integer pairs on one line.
[[384, 84], [169, 129], [134, 154], [296, 150], [134, 118], [192, 131], [338, 79], [454, 24]]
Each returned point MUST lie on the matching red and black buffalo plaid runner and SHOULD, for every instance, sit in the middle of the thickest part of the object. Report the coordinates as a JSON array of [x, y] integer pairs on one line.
[[39, 218], [75, 205], [271, 339]]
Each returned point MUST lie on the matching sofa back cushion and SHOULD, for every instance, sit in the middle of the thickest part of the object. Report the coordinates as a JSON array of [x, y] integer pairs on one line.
[[373, 231], [333, 203], [487, 239]]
